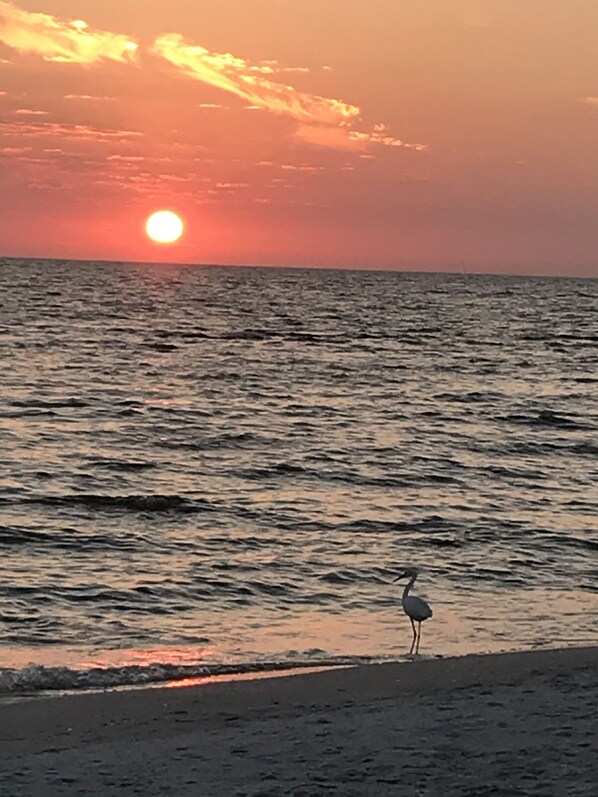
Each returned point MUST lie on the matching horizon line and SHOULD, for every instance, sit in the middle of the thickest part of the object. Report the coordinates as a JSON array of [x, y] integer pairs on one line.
[[406, 269]]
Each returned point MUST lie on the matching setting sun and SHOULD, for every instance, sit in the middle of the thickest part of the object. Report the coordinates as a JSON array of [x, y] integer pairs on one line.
[[164, 227]]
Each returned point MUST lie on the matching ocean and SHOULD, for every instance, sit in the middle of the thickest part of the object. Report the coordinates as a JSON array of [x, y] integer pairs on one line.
[[210, 470]]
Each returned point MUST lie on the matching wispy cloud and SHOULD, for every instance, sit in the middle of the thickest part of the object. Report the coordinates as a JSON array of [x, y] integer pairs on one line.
[[323, 121], [589, 101], [55, 39], [29, 112], [14, 150], [380, 135], [302, 167], [249, 81], [88, 97], [127, 158], [69, 132], [348, 139], [273, 68]]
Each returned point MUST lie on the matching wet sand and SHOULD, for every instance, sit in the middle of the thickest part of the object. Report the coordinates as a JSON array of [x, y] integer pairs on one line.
[[507, 724]]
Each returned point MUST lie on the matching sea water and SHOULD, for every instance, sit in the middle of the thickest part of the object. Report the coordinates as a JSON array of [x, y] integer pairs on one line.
[[222, 469]]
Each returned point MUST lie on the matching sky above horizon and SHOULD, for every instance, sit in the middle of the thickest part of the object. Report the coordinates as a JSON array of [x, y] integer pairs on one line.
[[438, 135]]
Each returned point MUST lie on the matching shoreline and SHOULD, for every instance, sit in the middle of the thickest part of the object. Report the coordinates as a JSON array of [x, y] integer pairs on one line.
[[39, 681], [349, 731]]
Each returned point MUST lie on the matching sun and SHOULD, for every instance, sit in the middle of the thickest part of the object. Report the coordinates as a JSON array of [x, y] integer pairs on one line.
[[164, 227]]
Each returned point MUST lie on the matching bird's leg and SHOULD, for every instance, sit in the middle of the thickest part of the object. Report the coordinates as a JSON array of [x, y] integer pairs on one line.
[[414, 635], [419, 635]]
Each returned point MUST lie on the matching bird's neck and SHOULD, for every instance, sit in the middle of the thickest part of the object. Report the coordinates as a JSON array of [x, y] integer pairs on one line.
[[408, 587]]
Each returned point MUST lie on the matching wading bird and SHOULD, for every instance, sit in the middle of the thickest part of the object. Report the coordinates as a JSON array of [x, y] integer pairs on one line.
[[416, 609]]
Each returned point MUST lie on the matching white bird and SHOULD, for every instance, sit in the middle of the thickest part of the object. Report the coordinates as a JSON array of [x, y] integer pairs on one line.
[[416, 609]]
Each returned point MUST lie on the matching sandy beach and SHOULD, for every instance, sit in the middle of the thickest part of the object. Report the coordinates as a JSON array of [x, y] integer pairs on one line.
[[506, 724]]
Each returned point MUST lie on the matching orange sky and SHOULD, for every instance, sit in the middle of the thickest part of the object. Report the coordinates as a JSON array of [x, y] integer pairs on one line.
[[368, 133]]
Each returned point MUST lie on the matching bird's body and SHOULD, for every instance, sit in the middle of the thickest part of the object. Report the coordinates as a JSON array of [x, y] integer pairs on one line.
[[416, 609]]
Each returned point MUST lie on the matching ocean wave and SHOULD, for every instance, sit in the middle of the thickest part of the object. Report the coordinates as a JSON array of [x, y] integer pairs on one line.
[[547, 448], [121, 503], [349, 477], [547, 418], [37, 678], [32, 412], [297, 336], [227, 440], [278, 469], [70, 539], [514, 473], [570, 540], [117, 464], [247, 334], [160, 347], [579, 339], [48, 404], [471, 397], [348, 575]]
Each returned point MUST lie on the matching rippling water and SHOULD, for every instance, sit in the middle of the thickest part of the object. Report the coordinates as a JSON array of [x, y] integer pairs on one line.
[[228, 465]]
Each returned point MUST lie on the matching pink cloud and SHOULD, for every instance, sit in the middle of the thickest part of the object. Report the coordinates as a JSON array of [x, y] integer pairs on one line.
[[55, 39]]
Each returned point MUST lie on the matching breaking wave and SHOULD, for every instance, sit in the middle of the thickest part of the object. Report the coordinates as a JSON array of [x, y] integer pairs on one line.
[[35, 678]]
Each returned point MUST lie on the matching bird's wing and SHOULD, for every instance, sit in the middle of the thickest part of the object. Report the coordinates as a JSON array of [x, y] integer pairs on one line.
[[417, 608]]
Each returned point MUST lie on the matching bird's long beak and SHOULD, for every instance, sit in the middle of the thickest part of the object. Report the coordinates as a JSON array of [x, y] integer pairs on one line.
[[398, 578]]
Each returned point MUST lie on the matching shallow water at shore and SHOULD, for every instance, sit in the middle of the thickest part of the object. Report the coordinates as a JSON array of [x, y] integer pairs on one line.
[[309, 640]]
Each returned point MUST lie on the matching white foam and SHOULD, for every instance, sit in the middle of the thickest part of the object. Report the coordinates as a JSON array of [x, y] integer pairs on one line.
[[35, 678]]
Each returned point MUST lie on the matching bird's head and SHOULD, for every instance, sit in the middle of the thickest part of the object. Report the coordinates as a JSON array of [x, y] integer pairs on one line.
[[408, 572]]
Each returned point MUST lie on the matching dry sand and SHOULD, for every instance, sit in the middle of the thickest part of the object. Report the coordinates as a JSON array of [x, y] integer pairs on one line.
[[509, 724]]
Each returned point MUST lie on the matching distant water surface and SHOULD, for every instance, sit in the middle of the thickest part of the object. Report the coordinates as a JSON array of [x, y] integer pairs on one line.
[[229, 465]]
